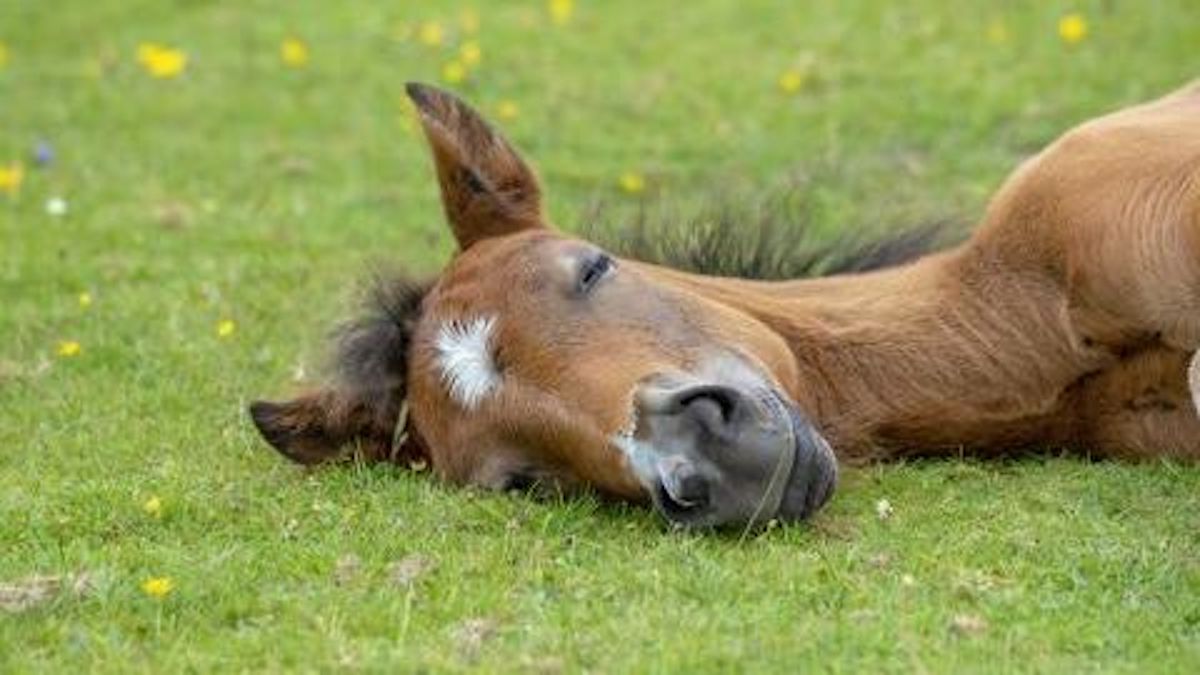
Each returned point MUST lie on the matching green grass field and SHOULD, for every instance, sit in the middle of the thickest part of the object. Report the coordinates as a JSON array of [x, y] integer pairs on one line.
[[217, 221]]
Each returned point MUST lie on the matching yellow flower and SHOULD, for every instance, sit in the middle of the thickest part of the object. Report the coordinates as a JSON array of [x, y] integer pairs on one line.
[[85, 300], [11, 177], [160, 61], [632, 182], [431, 34], [507, 110], [791, 81], [158, 587], [153, 507], [560, 11], [225, 328], [1072, 28], [454, 72], [468, 20], [69, 348], [470, 53], [997, 32], [3, 55], [294, 52]]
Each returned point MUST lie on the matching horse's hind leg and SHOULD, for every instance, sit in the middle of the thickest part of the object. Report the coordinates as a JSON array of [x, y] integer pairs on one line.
[[1142, 408]]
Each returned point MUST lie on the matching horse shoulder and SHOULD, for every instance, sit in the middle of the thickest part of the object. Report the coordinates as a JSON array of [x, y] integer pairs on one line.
[[1111, 212]]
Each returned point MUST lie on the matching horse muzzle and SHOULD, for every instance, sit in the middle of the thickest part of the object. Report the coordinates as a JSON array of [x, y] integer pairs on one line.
[[727, 454]]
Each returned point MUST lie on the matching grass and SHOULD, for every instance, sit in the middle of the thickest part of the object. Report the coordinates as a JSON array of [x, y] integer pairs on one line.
[[246, 191]]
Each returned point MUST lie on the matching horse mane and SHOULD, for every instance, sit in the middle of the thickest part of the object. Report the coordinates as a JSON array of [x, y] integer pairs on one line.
[[773, 238]]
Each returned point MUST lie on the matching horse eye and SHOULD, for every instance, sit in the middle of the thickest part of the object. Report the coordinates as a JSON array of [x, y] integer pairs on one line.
[[593, 270]]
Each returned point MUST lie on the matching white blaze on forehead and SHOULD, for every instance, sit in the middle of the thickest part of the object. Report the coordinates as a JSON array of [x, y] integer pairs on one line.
[[464, 355]]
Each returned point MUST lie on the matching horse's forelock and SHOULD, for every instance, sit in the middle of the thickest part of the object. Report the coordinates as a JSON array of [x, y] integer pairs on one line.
[[371, 352]]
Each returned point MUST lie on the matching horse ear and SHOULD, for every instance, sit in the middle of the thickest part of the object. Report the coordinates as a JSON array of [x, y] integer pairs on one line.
[[363, 403], [306, 429], [326, 426], [487, 189]]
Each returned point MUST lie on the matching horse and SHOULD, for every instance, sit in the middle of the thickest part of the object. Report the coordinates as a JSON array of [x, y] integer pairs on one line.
[[538, 360]]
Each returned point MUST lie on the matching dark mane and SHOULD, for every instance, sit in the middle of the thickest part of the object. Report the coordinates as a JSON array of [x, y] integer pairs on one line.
[[773, 238]]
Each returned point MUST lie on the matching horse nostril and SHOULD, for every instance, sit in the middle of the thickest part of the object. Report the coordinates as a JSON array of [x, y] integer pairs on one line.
[[713, 406], [694, 490], [683, 489]]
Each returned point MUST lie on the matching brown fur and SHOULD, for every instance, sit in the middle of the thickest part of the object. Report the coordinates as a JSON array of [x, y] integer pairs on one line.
[[1066, 320]]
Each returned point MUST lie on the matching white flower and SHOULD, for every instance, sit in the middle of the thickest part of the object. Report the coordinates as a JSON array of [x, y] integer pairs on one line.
[[883, 509], [56, 206]]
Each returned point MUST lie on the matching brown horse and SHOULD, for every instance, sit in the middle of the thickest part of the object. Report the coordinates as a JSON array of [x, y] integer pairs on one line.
[[535, 358]]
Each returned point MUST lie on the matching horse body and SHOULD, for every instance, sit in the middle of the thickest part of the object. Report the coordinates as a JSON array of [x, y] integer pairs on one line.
[[1066, 320]]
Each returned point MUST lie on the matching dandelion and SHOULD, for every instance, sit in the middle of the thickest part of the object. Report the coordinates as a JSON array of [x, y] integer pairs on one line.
[[160, 61], [431, 34], [997, 32], [56, 207], [791, 81], [85, 300], [11, 177], [153, 506], [470, 53], [69, 349], [226, 328], [1072, 28], [3, 55], [294, 52], [158, 587], [454, 72], [507, 110], [561, 10], [468, 21], [632, 182]]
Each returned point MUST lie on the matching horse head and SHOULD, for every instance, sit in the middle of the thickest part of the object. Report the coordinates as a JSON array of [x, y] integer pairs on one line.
[[537, 359]]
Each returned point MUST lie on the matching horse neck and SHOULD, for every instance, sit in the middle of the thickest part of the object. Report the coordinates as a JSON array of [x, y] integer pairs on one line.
[[954, 349]]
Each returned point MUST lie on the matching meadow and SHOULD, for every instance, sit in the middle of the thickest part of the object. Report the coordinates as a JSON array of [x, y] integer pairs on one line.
[[191, 191]]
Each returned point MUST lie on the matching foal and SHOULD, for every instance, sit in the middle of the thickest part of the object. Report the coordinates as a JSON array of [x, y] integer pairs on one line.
[[538, 359]]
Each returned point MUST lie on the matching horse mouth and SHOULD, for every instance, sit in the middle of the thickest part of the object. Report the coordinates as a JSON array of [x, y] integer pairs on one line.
[[820, 468], [676, 508]]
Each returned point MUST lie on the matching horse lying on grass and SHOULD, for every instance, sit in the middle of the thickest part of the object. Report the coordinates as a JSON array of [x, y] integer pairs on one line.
[[539, 359]]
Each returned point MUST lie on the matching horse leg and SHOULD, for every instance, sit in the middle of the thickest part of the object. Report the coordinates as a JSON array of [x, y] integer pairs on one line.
[[1141, 408]]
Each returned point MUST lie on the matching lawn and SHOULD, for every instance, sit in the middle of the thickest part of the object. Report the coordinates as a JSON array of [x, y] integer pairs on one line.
[[178, 245]]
